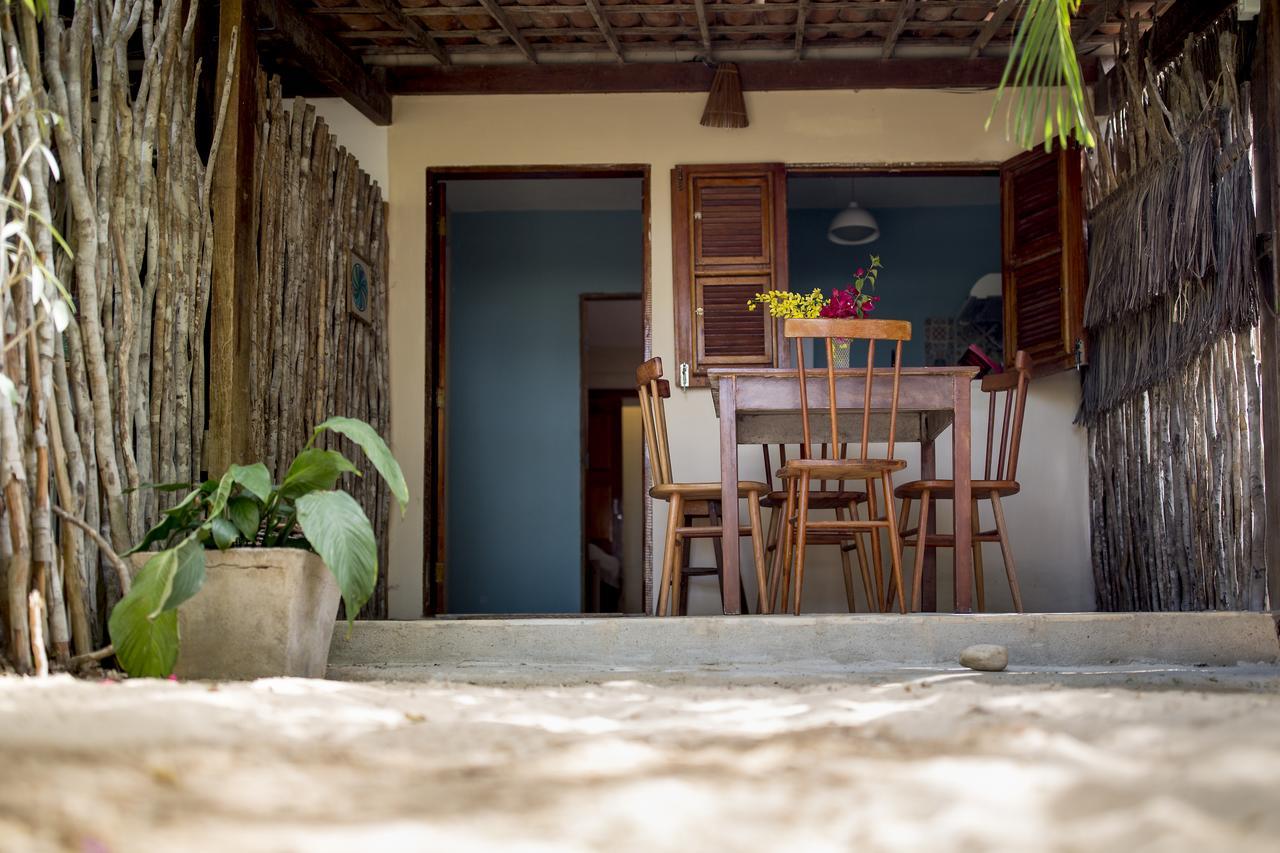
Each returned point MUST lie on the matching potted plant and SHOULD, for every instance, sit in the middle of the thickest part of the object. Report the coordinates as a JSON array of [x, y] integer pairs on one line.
[[854, 301], [275, 559]]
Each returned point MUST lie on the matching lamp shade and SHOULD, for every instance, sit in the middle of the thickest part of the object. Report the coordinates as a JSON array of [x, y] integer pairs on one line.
[[853, 226]]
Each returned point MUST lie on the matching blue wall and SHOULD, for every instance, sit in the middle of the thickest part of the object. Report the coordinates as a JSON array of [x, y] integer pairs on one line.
[[932, 256], [513, 399]]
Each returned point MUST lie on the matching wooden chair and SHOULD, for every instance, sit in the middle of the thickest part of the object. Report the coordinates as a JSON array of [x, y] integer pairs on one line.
[[685, 499], [844, 502], [997, 482], [799, 474]]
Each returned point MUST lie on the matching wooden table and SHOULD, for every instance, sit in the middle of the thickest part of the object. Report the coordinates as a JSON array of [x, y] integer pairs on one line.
[[762, 406]]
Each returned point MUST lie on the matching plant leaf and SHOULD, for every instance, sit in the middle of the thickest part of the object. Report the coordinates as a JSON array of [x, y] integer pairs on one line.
[[315, 470], [246, 515], [255, 479], [375, 449], [145, 646], [341, 534], [181, 571], [224, 532]]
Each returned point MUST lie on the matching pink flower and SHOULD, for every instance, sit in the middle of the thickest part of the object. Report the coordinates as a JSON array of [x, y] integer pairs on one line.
[[861, 272]]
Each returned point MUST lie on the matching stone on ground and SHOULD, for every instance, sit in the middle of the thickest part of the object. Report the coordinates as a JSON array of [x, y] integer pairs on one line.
[[985, 657]]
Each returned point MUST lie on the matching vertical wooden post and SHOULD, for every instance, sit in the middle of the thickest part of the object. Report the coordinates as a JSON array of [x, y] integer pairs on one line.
[[1266, 125], [235, 263]]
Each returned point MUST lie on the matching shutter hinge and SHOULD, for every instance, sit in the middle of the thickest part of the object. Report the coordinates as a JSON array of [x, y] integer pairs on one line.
[[684, 374], [679, 179], [442, 227], [1078, 352], [439, 573]]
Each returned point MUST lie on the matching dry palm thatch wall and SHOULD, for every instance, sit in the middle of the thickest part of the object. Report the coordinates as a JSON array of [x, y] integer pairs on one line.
[[1171, 397], [103, 150], [311, 357]]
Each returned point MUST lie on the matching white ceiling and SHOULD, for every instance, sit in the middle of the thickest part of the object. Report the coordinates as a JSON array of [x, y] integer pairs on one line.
[[474, 196], [615, 323], [832, 193]]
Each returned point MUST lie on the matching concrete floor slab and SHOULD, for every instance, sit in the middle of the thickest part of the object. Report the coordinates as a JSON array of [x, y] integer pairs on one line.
[[1040, 640]]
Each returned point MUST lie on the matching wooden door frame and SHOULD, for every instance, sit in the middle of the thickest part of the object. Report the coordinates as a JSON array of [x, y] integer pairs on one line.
[[434, 379], [583, 419]]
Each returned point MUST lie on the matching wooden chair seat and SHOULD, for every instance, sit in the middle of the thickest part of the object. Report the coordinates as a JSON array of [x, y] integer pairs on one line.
[[946, 489], [704, 491], [840, 469], [817, 500]]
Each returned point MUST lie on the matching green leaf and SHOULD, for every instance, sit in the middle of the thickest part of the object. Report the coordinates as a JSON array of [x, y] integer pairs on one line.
[[224, 532], [341, 534], [181, 571], [375, 449], [145, 646], [315, 470], [246, 515], [255, 479]]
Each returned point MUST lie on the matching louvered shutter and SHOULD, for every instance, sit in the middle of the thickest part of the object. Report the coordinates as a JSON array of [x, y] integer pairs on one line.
[[729, 243], [1044, 260]]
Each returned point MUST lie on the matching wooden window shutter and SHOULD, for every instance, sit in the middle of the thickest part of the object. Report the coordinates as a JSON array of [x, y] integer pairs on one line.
[[1045, 270], [729, 242]]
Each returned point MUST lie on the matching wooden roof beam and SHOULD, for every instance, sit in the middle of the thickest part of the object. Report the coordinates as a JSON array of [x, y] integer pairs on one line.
[[802, 13], [998, 16], [329, 64], [1096, 19], [606, 29], [390, 11], [905, 9], [704, 31], [513, 32]]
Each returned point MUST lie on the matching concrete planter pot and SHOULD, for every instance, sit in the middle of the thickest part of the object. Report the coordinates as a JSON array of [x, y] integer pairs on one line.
[[263, 612]]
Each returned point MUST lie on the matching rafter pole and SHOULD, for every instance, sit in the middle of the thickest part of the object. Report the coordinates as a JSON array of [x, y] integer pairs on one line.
[[390, 11], [905, 8], [499, 16], [802, 13], [606, 29], [703, 30], [998, 17], [1096, 19]]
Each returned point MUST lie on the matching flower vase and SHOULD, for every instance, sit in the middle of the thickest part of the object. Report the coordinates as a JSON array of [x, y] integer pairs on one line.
[[840, 353]]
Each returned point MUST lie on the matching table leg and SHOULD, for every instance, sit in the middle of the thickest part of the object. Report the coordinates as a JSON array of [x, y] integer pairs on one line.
[[929, 585], [962, 456], [729, 493]]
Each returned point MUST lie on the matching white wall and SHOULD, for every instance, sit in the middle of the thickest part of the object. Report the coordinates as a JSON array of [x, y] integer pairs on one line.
[[1049, 519], [366, 141]]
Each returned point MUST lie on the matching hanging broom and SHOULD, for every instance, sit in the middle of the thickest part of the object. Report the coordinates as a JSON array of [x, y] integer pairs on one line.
[[725, 106]]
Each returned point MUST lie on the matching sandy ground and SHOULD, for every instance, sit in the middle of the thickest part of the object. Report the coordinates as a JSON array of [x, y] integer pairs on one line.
[[1135, 760]]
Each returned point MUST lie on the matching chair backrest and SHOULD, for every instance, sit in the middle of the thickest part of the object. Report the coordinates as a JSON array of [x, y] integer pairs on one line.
[[1002, 459], [652, 390], [848, 330]]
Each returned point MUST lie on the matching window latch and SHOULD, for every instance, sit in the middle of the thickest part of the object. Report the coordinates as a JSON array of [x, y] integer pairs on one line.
[[684, 374]]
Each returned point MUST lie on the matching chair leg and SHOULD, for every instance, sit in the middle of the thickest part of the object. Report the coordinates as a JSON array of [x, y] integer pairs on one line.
[[757, 548], [802, 533], [978, 580], [846, 568], [922, 545], [675, 512], [877, 560], [773, 550], [788, 546], [904, 519], [1006, 551], [868, 587], [895, 544]]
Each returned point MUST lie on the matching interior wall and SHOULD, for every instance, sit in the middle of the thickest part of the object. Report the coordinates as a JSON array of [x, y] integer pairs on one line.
[[1052, 537], [366, 141], [916, 283], [514, 522]]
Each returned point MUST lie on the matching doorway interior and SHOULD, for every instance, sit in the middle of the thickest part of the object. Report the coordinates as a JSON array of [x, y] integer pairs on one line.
[[513, 252]]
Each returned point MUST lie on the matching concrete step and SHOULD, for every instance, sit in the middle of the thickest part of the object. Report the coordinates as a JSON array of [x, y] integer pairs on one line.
[[1041, 640]]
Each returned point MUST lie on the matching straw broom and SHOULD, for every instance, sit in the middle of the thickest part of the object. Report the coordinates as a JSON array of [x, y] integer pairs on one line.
[[725, 106]]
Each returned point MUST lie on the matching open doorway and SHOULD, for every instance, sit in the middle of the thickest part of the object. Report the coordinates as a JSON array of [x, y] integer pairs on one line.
[[514, 252], [612, 454]]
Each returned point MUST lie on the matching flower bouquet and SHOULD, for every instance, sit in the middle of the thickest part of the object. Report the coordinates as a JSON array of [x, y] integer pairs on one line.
[[854, 301]]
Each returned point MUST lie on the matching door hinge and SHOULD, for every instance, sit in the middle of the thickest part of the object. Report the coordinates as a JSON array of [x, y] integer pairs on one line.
[[1078, 352], [679, 179], [684, 374], [442, 227], [439, 573]]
